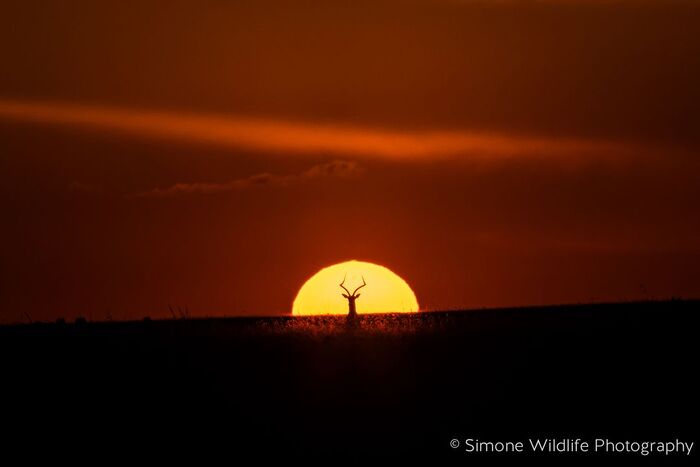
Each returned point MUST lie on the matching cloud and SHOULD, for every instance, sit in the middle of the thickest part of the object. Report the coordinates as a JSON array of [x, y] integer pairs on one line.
[[300, 137], [336, 168]]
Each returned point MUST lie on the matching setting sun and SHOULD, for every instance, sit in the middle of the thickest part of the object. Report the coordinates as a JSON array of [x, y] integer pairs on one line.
[[385, 291]]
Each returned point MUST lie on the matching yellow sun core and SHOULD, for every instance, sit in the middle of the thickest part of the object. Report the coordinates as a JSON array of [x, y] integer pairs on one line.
[[385, 291]]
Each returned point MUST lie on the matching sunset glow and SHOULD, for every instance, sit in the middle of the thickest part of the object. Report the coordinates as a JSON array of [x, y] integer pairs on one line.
[[385, 292], [216, 154]]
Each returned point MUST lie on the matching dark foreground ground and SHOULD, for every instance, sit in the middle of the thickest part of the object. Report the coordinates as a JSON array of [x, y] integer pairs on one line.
[[394, 385]]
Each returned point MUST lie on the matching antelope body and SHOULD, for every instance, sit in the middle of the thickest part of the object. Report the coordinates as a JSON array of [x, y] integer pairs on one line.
[[351, 297]]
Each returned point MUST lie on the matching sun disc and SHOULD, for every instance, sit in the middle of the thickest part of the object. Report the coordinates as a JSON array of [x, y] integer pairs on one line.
[[385, 292]]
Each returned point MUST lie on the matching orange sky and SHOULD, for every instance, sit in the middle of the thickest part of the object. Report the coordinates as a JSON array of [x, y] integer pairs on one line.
[[491, 153]]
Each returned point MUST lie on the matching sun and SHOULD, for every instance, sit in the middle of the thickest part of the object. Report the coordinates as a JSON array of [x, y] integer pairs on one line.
[[385, 291]]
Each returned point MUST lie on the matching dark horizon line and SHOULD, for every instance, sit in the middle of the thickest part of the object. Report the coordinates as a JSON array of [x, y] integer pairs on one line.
[[81, 320]]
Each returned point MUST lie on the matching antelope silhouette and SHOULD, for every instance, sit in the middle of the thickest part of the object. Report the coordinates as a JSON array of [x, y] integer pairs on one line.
[[351, 297]]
